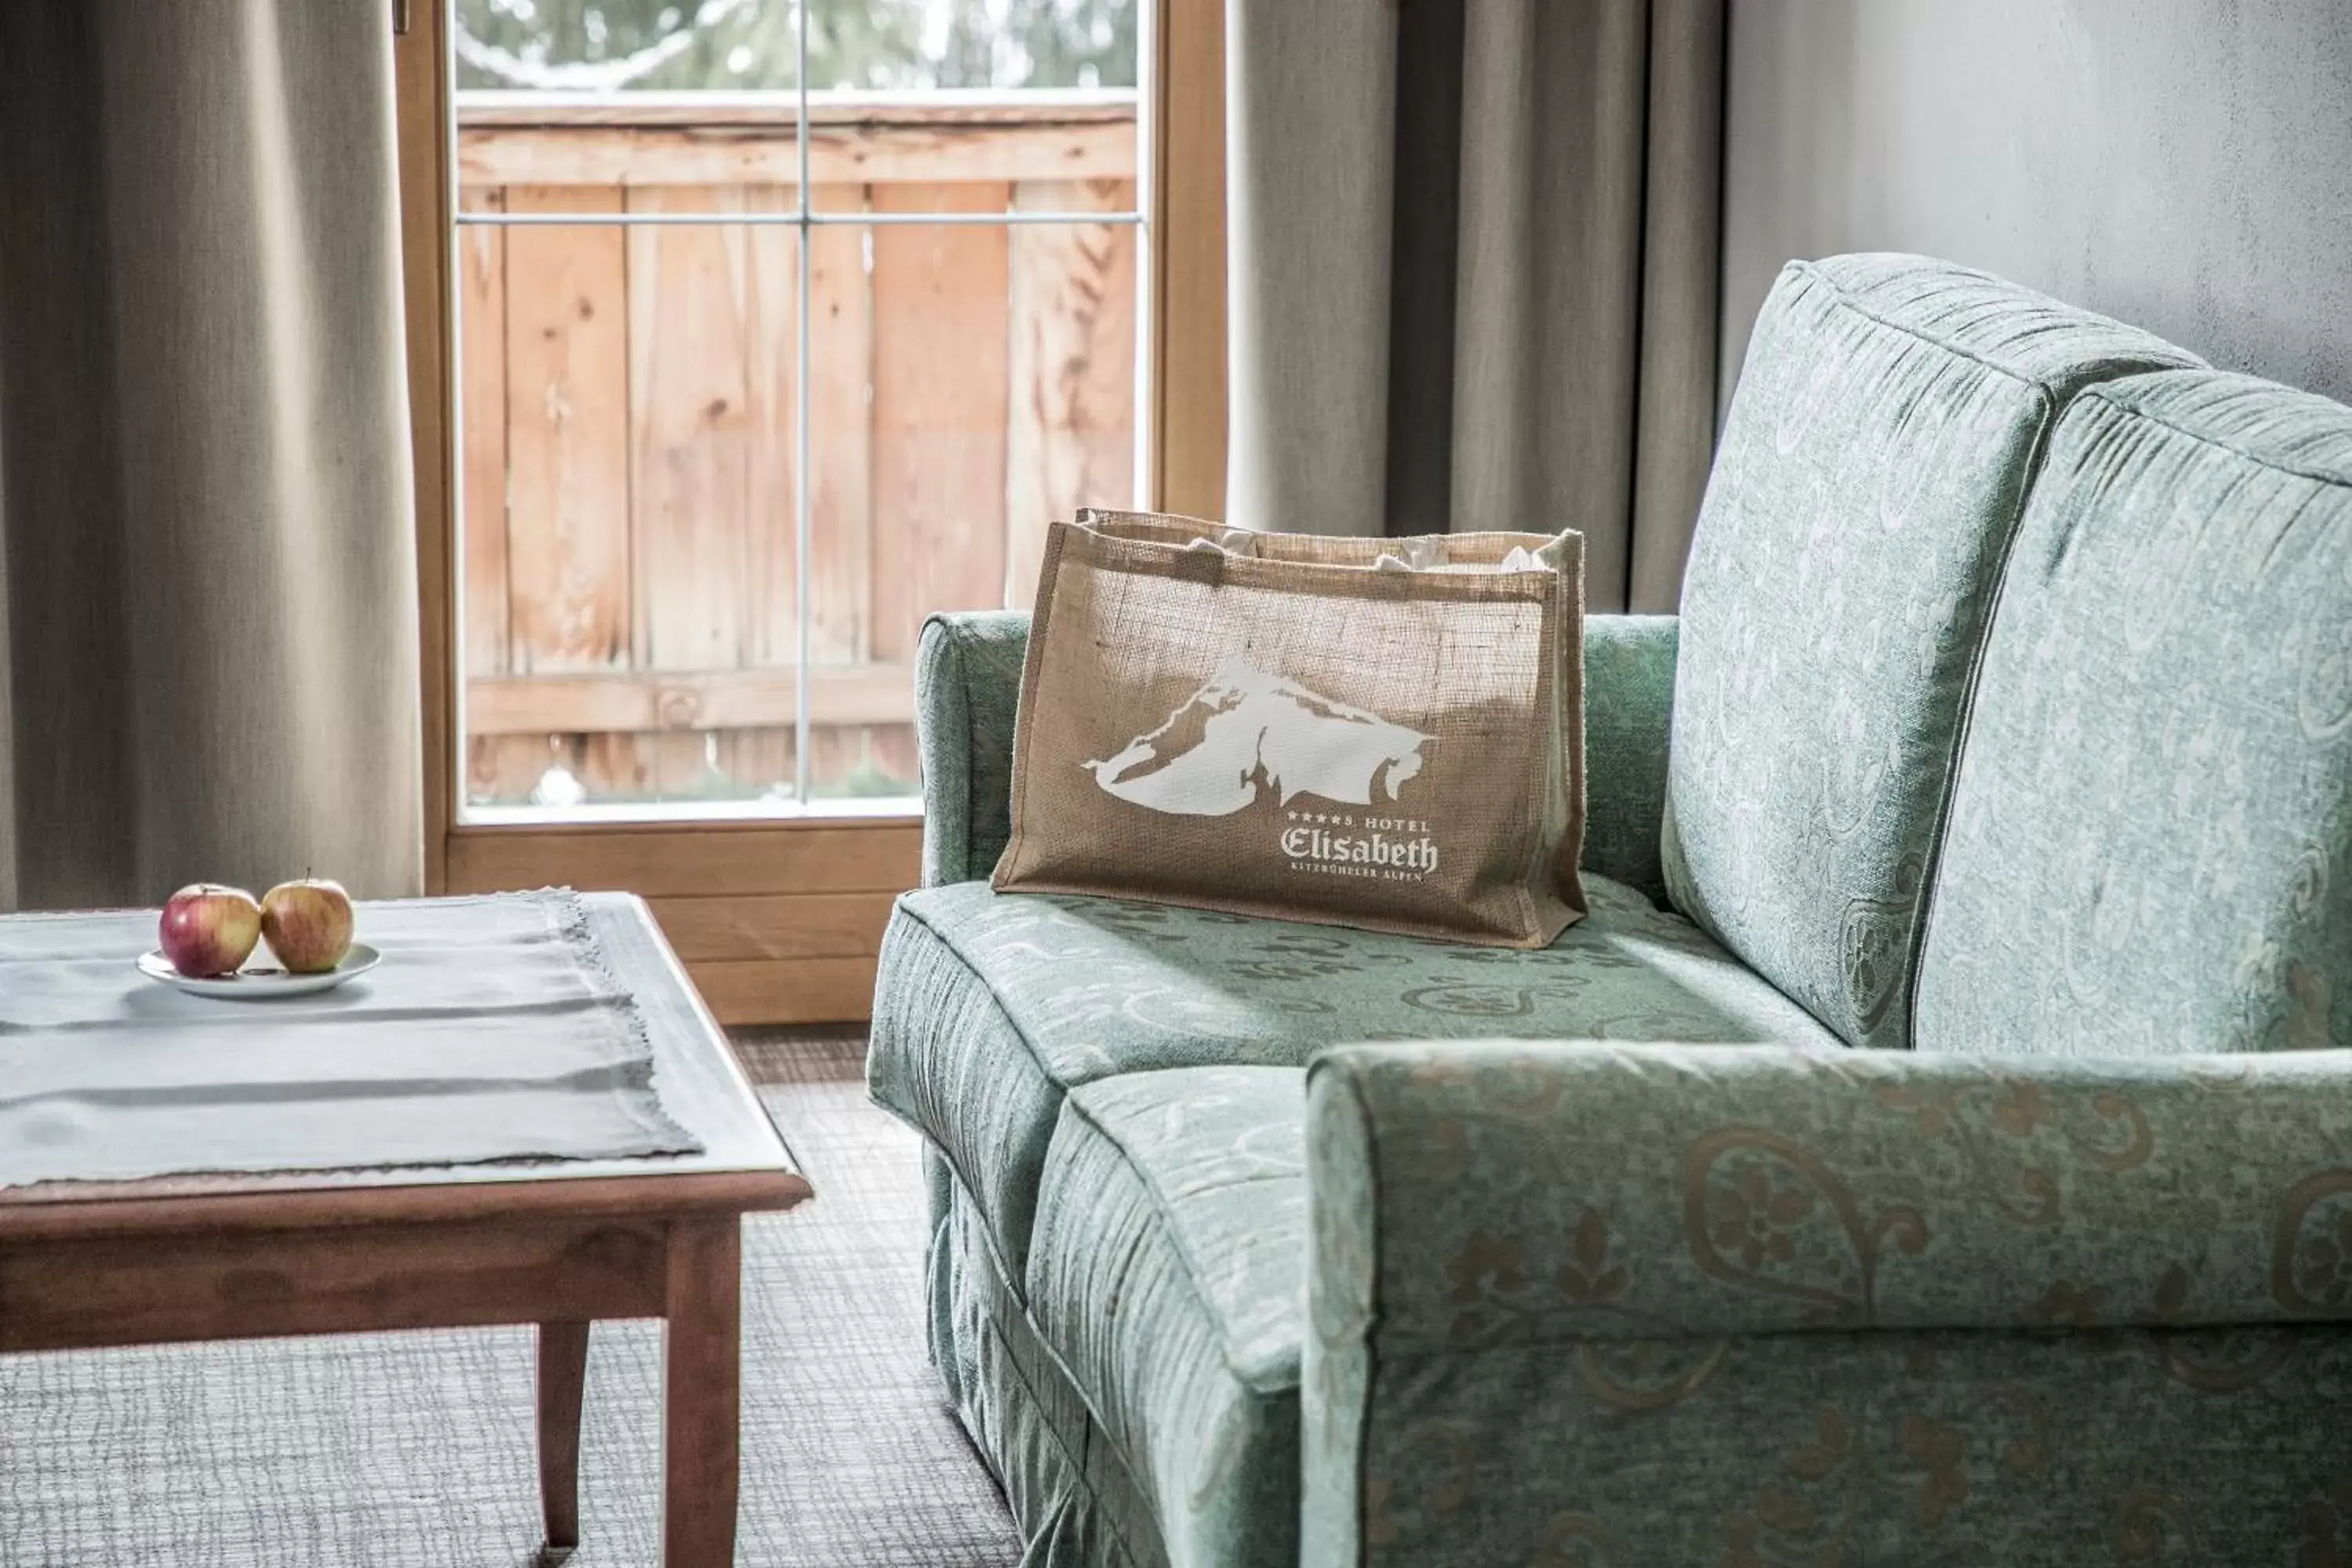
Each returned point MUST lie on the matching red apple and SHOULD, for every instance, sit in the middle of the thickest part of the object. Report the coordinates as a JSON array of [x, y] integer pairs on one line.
[[209, 930], [307, 924]]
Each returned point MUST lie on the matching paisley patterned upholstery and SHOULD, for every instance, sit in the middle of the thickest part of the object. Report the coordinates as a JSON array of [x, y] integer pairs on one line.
[[1646, 1304], [1867, 484], [990, 1006], [1629, 686], [967, 686], [2151, 840], [1170, 1273], [1073, 1495]]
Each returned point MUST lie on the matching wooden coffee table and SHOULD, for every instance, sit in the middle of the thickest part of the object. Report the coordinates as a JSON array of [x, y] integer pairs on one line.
[[559, 1245]]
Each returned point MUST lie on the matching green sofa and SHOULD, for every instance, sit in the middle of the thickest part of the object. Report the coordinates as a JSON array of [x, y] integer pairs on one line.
[[1936, 1146]]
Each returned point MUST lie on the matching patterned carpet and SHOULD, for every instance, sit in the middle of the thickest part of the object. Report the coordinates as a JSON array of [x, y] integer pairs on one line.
[[415, 1450]]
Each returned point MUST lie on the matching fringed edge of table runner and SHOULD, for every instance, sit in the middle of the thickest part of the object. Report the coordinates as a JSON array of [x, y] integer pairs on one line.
[[577, 927]]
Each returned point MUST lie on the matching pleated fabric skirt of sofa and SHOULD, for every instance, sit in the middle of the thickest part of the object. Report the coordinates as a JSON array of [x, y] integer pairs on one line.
[[1071, 1494]]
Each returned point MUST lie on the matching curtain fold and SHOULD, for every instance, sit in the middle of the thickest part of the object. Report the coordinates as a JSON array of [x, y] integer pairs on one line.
[[1310, 139], [206, 535], [1473, 271]]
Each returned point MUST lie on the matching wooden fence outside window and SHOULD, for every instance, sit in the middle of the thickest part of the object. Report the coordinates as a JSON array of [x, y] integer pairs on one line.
[[628, 416]]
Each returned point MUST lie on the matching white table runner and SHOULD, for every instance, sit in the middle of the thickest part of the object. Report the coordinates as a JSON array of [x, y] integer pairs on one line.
[[493, 1030]]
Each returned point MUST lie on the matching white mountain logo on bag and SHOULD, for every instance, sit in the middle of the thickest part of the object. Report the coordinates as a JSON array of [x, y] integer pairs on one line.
[[1245, 735]]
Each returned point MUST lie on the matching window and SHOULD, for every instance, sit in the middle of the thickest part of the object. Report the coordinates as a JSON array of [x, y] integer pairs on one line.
[[751, 379], [669, 604]]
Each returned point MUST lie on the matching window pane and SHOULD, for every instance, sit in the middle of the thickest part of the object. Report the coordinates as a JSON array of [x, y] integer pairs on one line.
[[625, 46], [897, 46], [627, 431], [634, 622], [1004, 378], [735, 46], [630, 632]]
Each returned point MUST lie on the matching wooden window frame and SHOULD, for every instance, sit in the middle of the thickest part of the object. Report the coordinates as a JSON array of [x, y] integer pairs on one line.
[[1186, 191], [777, 921]]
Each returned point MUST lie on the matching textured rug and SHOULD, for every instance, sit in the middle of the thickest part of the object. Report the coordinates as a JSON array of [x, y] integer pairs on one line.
[[415, 1450]]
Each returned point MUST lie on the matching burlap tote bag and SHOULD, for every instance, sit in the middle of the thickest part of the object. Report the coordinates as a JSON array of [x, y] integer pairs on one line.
[[1374, 732]]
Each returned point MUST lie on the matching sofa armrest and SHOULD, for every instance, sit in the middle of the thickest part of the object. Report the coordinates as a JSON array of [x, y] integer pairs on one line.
[[1496, 1226], [1577, 1191], [967, 687], [1629, 697]]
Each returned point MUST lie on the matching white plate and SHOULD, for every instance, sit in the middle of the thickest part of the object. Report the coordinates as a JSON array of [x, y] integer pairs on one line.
[[259, 983]]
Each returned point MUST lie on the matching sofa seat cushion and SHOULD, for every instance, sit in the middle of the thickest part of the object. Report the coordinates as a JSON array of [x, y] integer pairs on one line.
[[2151, 840], [989, 1007], [1169, 1273], [1863, 497]]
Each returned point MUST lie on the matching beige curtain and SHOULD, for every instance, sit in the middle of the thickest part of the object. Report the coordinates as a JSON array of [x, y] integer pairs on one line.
[[205, 533], [1473, 270]]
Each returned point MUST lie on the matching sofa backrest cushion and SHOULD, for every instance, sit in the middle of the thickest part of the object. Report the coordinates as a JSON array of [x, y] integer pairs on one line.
[[2150, 847], [1864, 494]]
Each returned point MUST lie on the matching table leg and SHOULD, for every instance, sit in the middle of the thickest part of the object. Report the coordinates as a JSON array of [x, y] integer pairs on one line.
[[562, 1373], [702, 1394]]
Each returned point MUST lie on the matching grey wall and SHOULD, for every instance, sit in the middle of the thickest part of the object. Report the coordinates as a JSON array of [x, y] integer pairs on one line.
[[2184, 165]]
